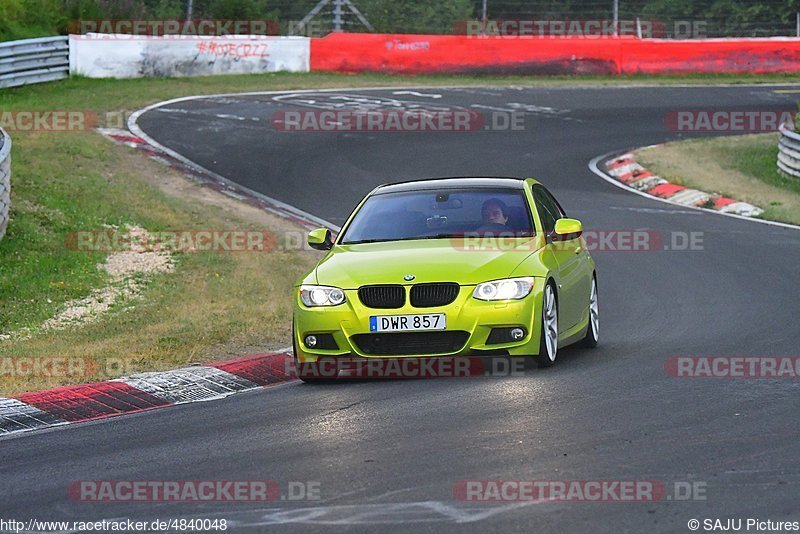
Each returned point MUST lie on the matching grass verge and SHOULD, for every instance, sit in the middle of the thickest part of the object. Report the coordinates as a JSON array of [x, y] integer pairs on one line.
[[740, 167], [215, 305]]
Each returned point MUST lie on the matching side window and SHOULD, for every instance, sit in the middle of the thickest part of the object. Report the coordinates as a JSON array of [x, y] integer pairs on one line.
[[548, 213], [558, 210]]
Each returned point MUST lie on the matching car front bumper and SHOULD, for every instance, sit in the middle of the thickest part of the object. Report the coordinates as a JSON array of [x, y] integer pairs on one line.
[[476, 318]]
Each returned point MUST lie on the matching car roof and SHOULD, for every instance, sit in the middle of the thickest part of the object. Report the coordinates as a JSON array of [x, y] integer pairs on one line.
[[455, 182]]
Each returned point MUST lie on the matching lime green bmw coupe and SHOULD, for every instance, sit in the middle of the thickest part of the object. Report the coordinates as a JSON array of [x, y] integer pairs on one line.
[[448, 267]]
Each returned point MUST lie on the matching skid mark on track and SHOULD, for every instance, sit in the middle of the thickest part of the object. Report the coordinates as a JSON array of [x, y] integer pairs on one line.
[[343, 408]]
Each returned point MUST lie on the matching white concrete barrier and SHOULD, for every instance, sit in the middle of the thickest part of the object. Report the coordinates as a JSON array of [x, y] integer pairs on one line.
[[128, 56], [5, 181], [789, 151]]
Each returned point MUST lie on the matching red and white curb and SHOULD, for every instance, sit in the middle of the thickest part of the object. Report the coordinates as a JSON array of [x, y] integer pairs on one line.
[[627, 171], [146, 391]]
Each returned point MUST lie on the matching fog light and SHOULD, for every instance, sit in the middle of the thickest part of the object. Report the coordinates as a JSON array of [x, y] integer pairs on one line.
[[517, 334], [311, 341]]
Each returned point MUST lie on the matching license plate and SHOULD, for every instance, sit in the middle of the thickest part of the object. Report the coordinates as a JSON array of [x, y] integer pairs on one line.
[[400, 323]]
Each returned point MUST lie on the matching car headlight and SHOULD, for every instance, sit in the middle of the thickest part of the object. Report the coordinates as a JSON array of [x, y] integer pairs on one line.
[[313, 296], [508, 289]]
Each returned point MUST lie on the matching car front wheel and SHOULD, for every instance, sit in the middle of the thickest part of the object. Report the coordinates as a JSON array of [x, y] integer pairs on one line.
[[593, 329], [548, 344]]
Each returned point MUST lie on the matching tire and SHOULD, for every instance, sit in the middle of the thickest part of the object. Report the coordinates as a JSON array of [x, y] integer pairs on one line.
[[548, 340], [308, 379], [593, 329]]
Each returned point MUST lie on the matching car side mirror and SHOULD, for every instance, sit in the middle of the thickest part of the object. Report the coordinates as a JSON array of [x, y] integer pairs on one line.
[[320, 239], [570, 228]]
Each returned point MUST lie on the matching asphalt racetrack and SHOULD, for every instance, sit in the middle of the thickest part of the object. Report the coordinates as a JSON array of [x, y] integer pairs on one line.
[[388, 454]]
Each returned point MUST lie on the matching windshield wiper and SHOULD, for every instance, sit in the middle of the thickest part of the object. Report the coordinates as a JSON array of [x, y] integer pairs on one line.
[[367, 241], [437, 236]]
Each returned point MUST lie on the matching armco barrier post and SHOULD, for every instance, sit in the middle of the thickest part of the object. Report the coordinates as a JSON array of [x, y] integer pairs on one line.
[[5, 181], [789, 152]]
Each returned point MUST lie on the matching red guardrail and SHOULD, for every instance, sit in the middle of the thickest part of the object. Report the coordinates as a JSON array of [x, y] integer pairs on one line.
[[414, 54], [757, 56]]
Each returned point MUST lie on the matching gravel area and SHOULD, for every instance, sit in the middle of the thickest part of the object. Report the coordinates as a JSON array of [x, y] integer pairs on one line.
[[126, 271]]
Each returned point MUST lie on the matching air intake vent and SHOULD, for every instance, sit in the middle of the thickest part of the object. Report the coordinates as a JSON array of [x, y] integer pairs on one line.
[[431, 295], [385, 297], [411, 343]]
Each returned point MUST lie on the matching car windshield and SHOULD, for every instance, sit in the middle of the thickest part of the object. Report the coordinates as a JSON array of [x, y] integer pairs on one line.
[[434, 214]]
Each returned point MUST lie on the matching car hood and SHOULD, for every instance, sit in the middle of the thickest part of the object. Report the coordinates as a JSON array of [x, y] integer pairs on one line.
[[434, 260]]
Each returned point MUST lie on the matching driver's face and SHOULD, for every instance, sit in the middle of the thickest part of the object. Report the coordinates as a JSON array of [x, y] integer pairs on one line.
[[494, 214]]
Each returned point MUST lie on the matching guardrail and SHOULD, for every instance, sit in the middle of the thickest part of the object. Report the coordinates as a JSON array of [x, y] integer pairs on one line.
[[5, 181], [34, 61], [789, 152]]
